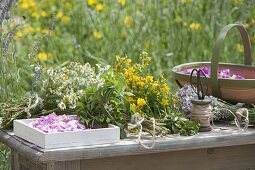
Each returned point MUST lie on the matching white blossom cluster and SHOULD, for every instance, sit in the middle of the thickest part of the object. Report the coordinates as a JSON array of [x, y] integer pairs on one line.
[[70, 82]]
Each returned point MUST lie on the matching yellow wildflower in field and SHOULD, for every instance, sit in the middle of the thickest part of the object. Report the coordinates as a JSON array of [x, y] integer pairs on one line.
[[60, 14], [195, 26], [140, 102], [98, 35], [65, 19], [31, 4], [99, 7], [91, 2], [164, 88], [28, 29], [128, 20], [18, 34], [43, 14], [24, 5], [42, 56], [239, 48], [122, 2], [35, 14], [68, 5]]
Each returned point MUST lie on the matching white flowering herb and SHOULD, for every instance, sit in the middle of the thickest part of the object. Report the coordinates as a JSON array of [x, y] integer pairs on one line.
[[68, 83]]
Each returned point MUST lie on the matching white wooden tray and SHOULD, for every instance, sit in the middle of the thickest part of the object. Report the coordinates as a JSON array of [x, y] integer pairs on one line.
[[24, 130]]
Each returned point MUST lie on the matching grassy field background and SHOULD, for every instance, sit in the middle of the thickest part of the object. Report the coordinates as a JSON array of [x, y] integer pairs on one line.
[[171, 31]]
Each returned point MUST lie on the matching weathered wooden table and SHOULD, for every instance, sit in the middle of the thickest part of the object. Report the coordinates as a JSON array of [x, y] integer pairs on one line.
[[223, 148]]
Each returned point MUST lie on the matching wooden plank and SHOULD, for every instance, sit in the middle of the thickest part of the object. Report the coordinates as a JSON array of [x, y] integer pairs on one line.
[[14, 161], [67, 165], [20, 146], [28, 164], [227, 158], [217, 138]]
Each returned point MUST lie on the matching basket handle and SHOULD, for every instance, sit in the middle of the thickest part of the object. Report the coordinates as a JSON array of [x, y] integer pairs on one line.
[[217, 49]]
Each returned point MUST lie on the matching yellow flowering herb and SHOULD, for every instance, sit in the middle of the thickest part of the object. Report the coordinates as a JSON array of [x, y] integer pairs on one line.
[[195, 26], [42, 56], [128, 62], [31, 4], [130, 99], [43, 14], [68, 5], [91, 2], [165, 88], [165, 102], [28, 29], [128, 21], [98, 35], [140, 84], [24, 5], [35, 14], [18, 34], [65, 19], [60, 14], [122, 2], [149, 79], [99, 7], [140, 102], [135, 78]]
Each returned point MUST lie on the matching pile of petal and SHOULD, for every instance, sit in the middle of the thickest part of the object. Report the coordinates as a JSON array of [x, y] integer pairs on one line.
[[224, 73], [54, 123]]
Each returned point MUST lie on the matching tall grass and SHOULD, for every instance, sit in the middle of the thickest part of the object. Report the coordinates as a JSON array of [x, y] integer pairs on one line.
[[161, 27]]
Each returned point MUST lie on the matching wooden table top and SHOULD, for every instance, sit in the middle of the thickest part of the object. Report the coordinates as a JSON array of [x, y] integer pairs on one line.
[[222, 135]]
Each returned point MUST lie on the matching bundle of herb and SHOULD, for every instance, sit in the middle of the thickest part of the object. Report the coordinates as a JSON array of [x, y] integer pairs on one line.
[[152, 98]]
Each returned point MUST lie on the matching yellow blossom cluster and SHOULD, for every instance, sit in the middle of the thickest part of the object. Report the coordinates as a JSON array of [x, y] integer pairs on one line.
[[128, 21], [195, 26], [96, 4], [39, 9], [122, 2], [146, 90]]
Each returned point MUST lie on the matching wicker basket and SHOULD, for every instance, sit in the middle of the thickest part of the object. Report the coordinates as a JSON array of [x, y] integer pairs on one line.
[[232, 90]]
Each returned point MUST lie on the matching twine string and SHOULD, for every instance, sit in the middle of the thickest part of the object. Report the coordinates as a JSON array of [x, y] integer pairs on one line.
[[138, 124], [32, 106], [239, 114], [204, 112]]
